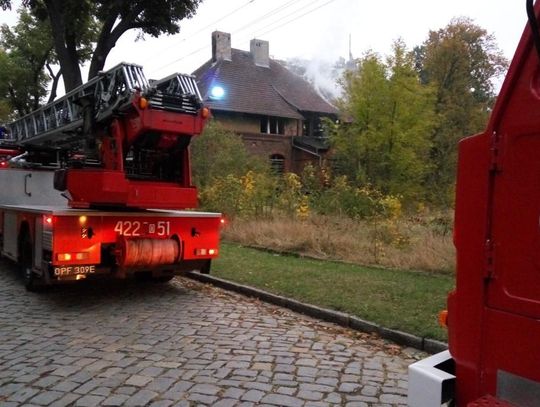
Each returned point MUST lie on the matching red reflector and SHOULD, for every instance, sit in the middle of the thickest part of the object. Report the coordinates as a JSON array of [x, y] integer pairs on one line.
[[81, 256]]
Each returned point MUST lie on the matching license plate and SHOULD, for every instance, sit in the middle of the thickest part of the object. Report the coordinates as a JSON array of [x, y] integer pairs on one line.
[[73, 270]]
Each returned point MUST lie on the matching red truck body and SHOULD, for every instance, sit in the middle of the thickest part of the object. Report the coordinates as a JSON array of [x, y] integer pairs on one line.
[[494, 311], [98, 183]]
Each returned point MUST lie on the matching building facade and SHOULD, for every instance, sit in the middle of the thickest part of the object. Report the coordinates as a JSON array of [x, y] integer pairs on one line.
[[276, 112]]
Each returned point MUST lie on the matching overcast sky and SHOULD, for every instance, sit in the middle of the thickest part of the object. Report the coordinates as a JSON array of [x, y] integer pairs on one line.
[[313, 29]]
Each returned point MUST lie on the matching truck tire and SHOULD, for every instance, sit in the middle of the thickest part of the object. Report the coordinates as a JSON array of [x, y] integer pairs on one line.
[[30, 279], [163, 279], [205, 269]]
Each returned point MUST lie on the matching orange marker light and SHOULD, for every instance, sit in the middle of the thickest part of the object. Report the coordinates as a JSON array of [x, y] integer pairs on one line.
[[64, 256], [205, 112], [443, 318], [143, 103]]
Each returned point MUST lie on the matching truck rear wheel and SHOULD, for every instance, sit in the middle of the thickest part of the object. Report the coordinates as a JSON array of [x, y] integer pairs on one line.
[[205, 269], [30, 279], [163, 279]]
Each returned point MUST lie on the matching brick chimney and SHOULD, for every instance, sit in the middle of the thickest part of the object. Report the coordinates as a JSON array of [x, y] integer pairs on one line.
[[260, 52], [221, 46]]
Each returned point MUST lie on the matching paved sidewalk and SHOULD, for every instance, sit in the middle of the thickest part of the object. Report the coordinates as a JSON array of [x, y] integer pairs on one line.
[[183, 344]]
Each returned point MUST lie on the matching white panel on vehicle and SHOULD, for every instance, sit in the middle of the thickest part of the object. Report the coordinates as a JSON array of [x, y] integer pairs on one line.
[[29, 187], [429, 384]]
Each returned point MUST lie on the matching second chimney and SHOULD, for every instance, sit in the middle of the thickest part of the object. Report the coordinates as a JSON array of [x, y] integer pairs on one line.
[[260, 52], [221, 46]]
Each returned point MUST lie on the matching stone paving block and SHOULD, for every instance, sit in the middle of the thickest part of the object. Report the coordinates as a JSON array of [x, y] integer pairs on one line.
[[233, 393], [47, 397], [208, 389], [349, 387], [266, 387], [10, 388], [253, 395], [115, 400], [66, 400], [202, 398], [89, 401], [66, 386], [283, 400], [162, 403], [226, 403], [141, 398], [23, 394], [47, 381], [138, 380], [309, 395]]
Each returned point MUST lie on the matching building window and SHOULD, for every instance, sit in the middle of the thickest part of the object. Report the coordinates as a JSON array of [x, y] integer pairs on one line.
[[277, 164], [272, 125]]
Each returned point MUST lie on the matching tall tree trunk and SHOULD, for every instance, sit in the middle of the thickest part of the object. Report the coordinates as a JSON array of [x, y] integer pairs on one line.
[[108, 37], [64, 45], [54, 86]]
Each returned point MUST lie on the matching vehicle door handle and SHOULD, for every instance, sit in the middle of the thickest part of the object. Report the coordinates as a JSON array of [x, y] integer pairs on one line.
[[26, 177]]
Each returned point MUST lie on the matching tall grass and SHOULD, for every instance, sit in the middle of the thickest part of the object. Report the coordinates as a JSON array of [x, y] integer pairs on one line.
[[404, 243]]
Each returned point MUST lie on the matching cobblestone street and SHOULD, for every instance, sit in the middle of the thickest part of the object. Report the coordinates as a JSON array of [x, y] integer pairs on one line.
[[182, 344]]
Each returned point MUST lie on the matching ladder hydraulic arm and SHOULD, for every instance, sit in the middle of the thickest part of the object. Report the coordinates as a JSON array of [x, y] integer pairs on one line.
[[118, 140]]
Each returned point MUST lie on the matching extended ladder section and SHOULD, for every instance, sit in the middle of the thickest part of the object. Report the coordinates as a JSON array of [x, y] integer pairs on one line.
[[107, 95], [176, 92]]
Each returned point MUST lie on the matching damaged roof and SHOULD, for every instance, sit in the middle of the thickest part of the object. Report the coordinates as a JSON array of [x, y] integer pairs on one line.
[[249, 88]]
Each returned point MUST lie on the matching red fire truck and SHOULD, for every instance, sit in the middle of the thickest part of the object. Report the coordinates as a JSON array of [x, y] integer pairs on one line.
[[98, 183], [494, 313]]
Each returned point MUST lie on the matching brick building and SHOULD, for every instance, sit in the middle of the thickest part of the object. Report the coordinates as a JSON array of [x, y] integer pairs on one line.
[[276, 111]]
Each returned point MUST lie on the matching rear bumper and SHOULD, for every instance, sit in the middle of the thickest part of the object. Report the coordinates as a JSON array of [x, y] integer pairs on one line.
[[432, 381]]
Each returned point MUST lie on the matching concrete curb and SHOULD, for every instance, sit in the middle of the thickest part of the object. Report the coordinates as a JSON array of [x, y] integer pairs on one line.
[[339, 318]]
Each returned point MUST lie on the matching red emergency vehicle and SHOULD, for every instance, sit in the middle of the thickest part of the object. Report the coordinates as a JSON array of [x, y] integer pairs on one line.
[[98, 183], [494, 312]]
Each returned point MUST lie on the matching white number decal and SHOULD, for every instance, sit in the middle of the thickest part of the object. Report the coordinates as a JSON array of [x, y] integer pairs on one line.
[[128, 228], [163, 228]]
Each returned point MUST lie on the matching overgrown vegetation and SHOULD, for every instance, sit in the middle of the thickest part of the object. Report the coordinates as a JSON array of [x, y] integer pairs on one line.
[[315, 213], [411, 244]]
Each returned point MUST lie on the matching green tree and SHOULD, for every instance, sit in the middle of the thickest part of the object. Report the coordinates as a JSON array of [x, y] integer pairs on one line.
[[73, 21], [411, 121], [460, 61], [25, 51], [389, 116], [357, 141], [218, 153]]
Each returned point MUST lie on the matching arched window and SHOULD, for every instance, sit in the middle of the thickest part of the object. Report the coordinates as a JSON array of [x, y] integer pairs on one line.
[[277, 163]]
